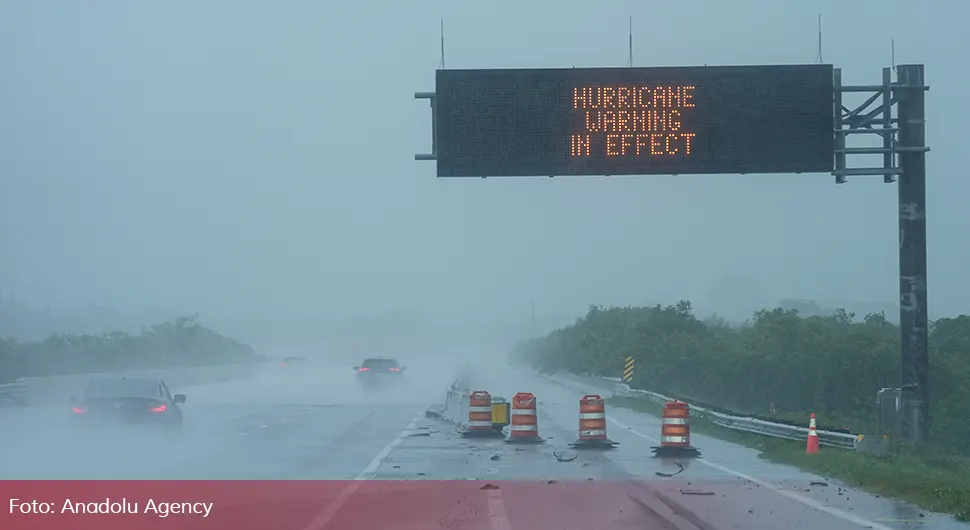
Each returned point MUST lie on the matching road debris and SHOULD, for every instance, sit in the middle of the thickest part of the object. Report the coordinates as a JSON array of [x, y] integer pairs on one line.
[[696, 492], [668, 475], [495, 457], [818, 483], [563, 455], [489, 487]]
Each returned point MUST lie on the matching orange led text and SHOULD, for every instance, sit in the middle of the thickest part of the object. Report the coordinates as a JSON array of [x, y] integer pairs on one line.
[[633, 121]]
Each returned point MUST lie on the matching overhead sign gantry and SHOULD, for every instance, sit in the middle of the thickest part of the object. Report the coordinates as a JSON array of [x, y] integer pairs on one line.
[[703, 120]]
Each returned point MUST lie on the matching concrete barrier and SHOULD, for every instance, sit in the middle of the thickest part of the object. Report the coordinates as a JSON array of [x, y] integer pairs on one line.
[[454, 409]]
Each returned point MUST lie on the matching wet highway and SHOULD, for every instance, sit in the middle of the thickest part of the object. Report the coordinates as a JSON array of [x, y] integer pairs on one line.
[[310, 425], [319, 424]]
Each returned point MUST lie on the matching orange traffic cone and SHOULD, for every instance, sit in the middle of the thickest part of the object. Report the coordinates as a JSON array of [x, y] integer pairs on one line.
[[811, 447]]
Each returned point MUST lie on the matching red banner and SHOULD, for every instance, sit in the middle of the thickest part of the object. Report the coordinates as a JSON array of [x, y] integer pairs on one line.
[[331, 505]]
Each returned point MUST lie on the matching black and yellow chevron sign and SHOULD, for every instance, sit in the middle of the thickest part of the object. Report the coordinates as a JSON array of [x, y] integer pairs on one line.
[[628, 369]]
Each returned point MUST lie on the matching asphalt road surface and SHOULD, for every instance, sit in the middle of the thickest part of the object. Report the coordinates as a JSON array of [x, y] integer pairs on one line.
[[319, 424]]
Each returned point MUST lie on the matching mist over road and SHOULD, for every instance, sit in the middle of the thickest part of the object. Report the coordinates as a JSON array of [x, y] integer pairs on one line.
[[313, 423], [319, 423]]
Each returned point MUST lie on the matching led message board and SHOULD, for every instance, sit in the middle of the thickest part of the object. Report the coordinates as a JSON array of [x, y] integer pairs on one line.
[[634, 121]]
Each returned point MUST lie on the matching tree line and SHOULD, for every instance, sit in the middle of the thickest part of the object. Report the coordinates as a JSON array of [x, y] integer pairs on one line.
[[25, 321], [183, 342], [778, 364]]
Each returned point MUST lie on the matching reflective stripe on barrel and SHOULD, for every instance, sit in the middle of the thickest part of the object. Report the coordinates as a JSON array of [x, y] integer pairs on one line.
[[479, 411], [675, 428], [524, 420], [592, 418]]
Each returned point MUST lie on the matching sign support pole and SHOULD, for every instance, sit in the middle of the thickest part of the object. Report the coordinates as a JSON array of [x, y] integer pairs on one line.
[[913, 318]]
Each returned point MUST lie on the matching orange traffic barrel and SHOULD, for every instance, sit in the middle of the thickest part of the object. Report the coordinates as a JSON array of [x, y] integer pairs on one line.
[[675, 431], [524, 427], [479, 414], [592, 423]]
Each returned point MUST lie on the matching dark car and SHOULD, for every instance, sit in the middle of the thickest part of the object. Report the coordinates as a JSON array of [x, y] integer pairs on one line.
[[379, 369], [128, 401]]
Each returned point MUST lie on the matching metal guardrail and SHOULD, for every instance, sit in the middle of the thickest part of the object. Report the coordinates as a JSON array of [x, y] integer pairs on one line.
[[456, 410], [743, 423]]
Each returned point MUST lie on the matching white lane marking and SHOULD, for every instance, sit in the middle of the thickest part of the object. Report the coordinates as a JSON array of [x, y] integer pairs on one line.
[[807, 501], [498, 517], [322, 519], [379, 459]]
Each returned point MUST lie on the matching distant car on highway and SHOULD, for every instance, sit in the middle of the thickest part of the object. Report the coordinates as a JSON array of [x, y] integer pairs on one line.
[[128, 401], [14, 393], [294, 362], [376, 369]]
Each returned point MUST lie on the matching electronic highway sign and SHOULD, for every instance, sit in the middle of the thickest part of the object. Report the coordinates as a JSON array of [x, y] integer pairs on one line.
[[634, 121]]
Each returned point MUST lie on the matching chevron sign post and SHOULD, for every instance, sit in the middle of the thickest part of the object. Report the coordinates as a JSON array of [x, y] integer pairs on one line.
[[628, 369]]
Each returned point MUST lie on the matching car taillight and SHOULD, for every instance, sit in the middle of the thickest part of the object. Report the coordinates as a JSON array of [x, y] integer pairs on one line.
[[78, 410], [393, 369], [160, 408], [364, 370]]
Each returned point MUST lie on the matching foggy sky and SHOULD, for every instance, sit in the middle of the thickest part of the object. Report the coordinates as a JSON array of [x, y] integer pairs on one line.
[[243, 158]]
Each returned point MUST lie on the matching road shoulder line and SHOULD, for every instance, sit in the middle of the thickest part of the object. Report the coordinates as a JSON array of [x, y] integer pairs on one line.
[[498, 517], [322, 519], [811, 503]]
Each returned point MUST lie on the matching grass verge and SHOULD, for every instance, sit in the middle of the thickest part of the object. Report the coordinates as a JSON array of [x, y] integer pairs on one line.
[[936, 482]]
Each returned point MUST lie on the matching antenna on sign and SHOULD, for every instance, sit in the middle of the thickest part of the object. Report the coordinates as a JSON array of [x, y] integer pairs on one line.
[[892, 45], [629, 61], [442, 64], [818, 59]]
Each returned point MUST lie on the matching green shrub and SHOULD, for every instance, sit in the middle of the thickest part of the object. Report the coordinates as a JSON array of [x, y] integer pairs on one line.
[[830, 365], [183, 342]]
